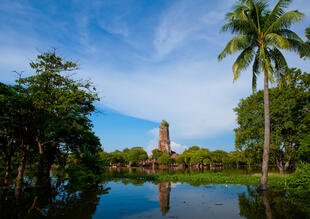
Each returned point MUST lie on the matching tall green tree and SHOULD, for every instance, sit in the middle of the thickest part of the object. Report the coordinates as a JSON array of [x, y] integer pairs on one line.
[[261, 35], [61, 109], [15, 130], [289, 119]]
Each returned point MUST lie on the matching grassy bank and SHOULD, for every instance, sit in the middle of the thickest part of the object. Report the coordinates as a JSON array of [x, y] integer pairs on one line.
[[219, 178], [200, 178]]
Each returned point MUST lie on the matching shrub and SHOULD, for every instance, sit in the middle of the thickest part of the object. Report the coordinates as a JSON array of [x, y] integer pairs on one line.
[[156, 154], [300, 180], [165, 159], [180, 159], [136, 155], [304, 149]]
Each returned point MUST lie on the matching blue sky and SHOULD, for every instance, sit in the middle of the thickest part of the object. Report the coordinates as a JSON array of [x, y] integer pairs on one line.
[[150, 60]]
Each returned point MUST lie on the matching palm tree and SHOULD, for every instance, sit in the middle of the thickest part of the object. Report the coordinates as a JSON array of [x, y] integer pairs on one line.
[[261, 34]]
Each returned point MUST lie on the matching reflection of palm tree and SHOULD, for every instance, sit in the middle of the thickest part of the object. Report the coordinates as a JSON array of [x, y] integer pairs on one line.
[[164, 189], [267, 205]]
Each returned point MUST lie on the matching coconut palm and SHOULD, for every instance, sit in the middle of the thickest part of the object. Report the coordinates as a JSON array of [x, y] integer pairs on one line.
[[261, 35]]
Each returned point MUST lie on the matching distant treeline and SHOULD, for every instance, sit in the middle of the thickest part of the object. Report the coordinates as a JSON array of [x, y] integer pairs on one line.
[[192, 156]]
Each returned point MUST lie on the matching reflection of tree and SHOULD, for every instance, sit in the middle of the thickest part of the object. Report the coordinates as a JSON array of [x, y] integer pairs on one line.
[[270, 204], [55, 200], [267, 205], [164, 189]]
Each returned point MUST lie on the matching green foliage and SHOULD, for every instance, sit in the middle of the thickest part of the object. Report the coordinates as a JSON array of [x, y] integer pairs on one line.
[[165, 123], [304, 149], [289, 120], [305, 53], [165, 159], [156, 154], [218, 156], [192, 149], [180, 159], [47, 114], [197, 155], [91, 161], [300, 180], [119, 157], [200, 156], [219, 178], [136, 155], [105, 157]]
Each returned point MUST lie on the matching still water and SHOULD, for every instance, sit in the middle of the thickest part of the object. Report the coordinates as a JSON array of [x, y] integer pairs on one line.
[[124, 198]]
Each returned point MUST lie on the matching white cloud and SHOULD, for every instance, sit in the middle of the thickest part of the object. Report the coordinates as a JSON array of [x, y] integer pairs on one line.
[[178, 148], [187, 21], [196, 98]]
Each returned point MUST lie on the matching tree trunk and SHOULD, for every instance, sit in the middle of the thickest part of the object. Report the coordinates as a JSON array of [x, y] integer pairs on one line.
[[263, 183], [7, 171], [44, 165], [20, 175], [41, 162], [287, 164], [280, 165]]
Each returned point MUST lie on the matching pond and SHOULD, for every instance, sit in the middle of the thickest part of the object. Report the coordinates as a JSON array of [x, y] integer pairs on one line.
[[127, 198]]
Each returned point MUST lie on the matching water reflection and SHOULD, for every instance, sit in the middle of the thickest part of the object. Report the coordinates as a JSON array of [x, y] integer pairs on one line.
[[140, 199], [266, 204], [54, 200], [274, 203], [164, 189]]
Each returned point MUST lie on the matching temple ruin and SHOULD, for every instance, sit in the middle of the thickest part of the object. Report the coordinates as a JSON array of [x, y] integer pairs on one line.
[[164, 140]]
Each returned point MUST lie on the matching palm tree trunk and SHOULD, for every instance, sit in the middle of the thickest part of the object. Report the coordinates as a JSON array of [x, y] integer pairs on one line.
[[267, 205], [263, 183]]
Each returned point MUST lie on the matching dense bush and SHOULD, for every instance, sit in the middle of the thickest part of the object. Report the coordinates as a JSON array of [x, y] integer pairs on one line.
[[300, 180], [156, 154], [136, 155], [165, 159], [304, 149]]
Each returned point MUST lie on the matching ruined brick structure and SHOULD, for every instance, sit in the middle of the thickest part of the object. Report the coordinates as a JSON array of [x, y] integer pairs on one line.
[[164, 140]]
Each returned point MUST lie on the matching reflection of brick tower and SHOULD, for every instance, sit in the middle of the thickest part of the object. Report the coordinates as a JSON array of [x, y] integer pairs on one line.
[[164, 140], [164, 189]]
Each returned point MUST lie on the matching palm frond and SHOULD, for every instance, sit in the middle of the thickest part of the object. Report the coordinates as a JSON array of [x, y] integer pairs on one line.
[[308, 33], [288, 34], [238, 43], [243, 61], [276, 40], [267, 66], [295, 45], [239, 21], [276, 12], [279, 60], [285, 21], [256, 69]]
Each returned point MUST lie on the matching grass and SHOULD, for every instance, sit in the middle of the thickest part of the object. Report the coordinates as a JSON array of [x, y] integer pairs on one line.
[[219, 178], [204, 178]]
